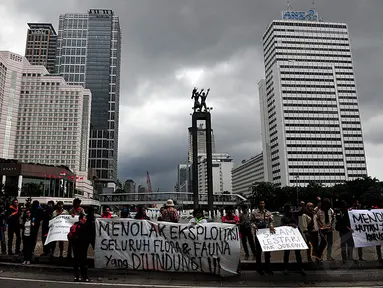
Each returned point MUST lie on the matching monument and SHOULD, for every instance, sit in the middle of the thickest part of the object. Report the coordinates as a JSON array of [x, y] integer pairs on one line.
[[202, 112]]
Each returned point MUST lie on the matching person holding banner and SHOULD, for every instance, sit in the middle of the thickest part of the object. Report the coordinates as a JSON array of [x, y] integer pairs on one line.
[[261, 218], [59, 211], [198, 218], [230, 217], [288, 219], [75, 211], [141, 213]]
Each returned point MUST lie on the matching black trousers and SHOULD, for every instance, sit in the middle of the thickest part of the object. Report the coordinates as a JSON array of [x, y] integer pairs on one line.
[[79, 262], [247, 237], [258, 257], [14, 230], [28, 242], [346, 245], [286, 256]]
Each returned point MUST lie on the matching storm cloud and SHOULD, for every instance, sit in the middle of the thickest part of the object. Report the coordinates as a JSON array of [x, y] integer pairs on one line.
[[170, 46]]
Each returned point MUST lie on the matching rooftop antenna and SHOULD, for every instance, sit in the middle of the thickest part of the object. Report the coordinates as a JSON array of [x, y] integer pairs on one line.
[[288, 5]]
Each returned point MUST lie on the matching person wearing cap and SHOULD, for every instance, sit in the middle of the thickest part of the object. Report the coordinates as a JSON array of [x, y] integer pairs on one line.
[[171, 213]]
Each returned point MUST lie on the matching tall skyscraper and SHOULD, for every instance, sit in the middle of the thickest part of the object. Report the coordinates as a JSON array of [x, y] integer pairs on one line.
[[11, 70], [89, 53], [201, 142], [311, 126], [41, 45]]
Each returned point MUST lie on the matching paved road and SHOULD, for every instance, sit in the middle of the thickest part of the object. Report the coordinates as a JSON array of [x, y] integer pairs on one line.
[[38, 278]]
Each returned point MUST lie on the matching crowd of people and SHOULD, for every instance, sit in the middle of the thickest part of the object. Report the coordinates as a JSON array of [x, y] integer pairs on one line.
[[317, 225]]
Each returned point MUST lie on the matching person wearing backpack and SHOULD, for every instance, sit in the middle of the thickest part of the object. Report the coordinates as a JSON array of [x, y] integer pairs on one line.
[[79, 241]]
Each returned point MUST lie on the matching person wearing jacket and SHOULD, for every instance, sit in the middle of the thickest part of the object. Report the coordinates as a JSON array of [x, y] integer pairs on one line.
[[289, 219], [75, 211], [80, 243], [261, 219], [46, 217], [3, 228], [107, 214], [246, 232], [36, 215], [141, 213], [343, 226], [27, 225], [13, 214]]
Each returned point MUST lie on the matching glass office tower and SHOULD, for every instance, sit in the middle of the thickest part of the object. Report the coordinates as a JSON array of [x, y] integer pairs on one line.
[[89, 53]]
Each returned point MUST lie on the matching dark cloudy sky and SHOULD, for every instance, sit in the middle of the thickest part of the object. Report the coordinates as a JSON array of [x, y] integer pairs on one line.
[[171, 45]]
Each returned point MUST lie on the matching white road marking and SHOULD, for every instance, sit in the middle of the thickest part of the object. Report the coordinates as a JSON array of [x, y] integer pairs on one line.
[[147, 285]]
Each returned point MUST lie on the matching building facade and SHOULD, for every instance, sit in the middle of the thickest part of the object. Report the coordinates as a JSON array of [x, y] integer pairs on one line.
[[311, 126], [184, 171], [41, 44], [201, 142], [11, 71], [250, 171], [89, 53], [130, 186], [222, 166], [50, 120]]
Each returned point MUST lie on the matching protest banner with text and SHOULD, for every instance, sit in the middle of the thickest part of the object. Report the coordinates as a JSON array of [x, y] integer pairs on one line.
[[145, 245], [367, 226], [59, 228], [284, 238]]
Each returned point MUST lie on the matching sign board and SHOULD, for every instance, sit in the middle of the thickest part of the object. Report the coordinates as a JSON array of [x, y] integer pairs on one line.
[[367, 226], [145, 245], [310, 15], [59, 228], [284, 238]]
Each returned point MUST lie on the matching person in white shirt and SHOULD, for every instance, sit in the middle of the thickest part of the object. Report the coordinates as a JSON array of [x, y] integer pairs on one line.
[[198, 217], [27, 225]]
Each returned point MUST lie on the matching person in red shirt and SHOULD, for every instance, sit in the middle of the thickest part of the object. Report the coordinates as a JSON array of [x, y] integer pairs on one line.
[[107, 214], [230, 217]]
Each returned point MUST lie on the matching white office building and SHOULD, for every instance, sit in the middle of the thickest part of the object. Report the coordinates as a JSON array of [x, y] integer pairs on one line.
[[311, 126], [11, 70], [222, 166], [201, 142], [50, 120], [248, 172]]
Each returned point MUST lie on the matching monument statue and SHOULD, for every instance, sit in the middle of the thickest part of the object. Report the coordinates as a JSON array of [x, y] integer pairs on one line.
[[201, 94]]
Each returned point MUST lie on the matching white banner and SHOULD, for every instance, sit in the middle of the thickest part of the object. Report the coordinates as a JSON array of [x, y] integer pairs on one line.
[[284, 238], [145, 245], [367, 226], [59, 228]]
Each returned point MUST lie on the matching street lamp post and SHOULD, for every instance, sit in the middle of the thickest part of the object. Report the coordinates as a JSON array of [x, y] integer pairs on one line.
[[296, 184]]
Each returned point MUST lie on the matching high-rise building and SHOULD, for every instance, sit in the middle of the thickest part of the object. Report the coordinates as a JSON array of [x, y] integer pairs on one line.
[[129, 186], [311, 126], [42, 122], [41, 45], [89, 53], [248, 172], [222, 166], [50, 120], [183, 177], [201, 142], [11, 70]]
